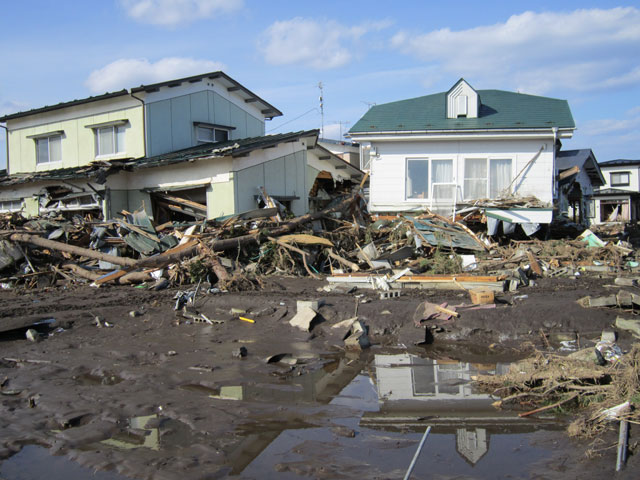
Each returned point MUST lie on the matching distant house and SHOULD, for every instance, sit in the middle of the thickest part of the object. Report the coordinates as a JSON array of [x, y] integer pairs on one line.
[[462, 148], [579, 177], [189, 148], [618, 200], [345, 149]]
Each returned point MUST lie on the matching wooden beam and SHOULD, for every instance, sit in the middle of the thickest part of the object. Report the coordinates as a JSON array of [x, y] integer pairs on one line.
[[64, 247]]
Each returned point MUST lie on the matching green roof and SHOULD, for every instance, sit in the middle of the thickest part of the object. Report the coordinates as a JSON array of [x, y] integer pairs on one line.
[[498, 110]]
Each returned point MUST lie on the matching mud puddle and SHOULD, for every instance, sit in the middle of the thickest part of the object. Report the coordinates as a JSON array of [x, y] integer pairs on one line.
[[358, 416], [393, 399], [34, 462]]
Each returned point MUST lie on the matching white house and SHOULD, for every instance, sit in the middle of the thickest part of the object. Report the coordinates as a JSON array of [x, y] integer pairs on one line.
[[465, 147], [618, 200]]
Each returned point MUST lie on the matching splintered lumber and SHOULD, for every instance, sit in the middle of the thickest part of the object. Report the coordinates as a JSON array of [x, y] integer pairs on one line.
[[567, 173], [341, 260], [306, 239], [297, 250], [183, 201], [64, 247], [242, 240]]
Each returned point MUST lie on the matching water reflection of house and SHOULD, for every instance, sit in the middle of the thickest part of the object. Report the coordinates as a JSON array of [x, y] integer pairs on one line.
[[418, 391]]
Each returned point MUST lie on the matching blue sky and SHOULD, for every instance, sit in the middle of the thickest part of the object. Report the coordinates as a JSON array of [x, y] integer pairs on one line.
[[363, 52]]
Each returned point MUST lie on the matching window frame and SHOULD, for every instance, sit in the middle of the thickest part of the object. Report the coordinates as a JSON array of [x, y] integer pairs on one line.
[[47, 138], [11, 209], [430, 176], [488, 160], [116, 129], [620, 184], [406, 178], [214, 130]]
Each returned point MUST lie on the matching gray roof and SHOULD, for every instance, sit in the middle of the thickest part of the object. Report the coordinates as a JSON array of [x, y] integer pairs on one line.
[[233, 86], [585, 160], [619, 163], [614, 191], [99, 170]]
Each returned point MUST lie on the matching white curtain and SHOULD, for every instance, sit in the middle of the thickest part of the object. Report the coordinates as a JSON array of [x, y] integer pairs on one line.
[[499, 176], [475, 178], [55, 149], [120, 139], [442, 172], [105, 141]]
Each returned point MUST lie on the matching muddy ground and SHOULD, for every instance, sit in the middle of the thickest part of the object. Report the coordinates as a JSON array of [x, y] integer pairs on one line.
[[159, 396]]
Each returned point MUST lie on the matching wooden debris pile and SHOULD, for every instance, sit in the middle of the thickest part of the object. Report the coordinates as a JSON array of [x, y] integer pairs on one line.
[[235, 253], [575, 383]]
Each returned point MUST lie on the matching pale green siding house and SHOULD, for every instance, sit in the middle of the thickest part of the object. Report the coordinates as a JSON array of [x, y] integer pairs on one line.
[[193, 147]]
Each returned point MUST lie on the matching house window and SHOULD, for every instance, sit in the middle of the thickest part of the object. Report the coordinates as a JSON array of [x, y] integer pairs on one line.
[[475, 178], [7, 206], [442, 187], [205, 134], [620, 179], [417, 178], [499, 176], [48, 149], [109, 140], [486, 178]]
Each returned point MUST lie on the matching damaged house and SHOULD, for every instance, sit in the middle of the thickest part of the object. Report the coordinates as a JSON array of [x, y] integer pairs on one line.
[[579, 177], [184, 149], [618, 200], [466, 150]]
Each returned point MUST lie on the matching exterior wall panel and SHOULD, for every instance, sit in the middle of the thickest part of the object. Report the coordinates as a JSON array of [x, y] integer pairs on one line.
[[529, 159]]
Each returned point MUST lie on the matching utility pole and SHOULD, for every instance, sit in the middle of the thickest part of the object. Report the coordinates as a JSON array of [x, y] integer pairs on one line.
[[320, 86]]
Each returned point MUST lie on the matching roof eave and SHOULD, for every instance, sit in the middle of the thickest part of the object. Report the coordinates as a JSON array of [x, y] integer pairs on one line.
[[266, 108], [59, 106], [410, 133]]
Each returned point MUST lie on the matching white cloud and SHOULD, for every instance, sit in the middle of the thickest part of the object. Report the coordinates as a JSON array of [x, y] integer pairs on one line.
[[129, 72], [535, 52], [318, 44], [173, 12], [615, 126]]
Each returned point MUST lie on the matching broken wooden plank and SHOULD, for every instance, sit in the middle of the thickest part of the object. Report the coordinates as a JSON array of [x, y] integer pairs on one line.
[[535, 265], [182, 201], [306, 239], [568, 172]]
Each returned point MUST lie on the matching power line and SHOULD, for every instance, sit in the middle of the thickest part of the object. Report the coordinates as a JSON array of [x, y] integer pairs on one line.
[[293, 119]]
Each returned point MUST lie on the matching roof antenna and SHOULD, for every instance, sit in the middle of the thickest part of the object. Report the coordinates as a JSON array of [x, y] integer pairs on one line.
[[321, 99]]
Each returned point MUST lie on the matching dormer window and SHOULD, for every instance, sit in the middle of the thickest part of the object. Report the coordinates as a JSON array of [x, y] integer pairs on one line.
[[211, 133], [462, 101]]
